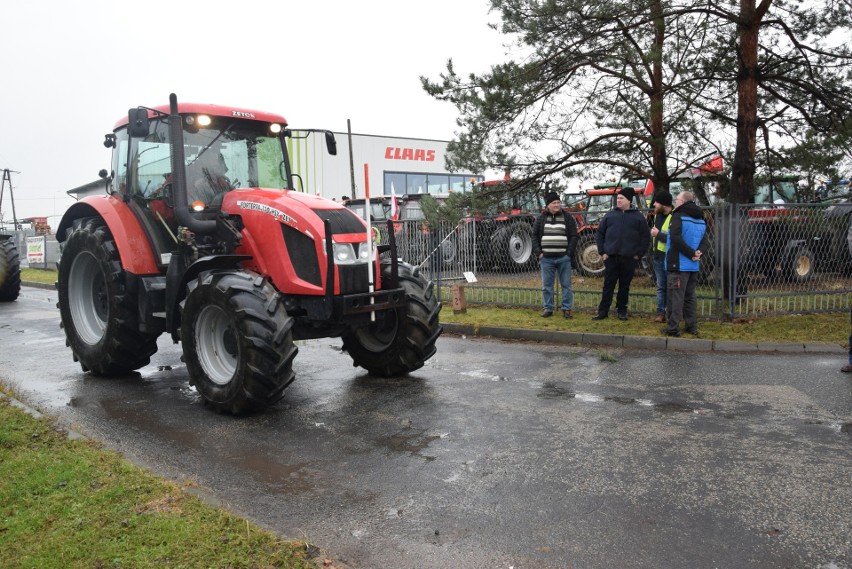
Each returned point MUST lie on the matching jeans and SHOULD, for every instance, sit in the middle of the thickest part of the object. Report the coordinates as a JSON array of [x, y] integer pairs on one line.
[[617, 269], [550, 267], [662, 285]]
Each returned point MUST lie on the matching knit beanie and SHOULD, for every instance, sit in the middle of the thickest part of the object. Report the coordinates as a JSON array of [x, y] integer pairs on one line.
[[551, 197], [628, 193], [663, 198]]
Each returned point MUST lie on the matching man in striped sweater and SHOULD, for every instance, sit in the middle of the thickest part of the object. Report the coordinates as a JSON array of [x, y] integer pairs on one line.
[[554, 240]]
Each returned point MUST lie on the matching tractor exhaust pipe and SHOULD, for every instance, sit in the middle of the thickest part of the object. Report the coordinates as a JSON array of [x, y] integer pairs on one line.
[[182, 213]]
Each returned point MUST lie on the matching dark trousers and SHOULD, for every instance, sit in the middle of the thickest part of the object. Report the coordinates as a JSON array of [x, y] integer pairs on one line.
[[682, 301], [617, 269]]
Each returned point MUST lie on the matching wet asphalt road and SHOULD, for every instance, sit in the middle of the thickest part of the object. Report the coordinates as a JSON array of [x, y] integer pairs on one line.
[[496, 454]]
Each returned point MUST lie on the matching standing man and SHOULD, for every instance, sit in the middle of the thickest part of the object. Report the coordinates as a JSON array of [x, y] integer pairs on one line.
[[554, 240], [659, 233], [623, 236], [687, 236]]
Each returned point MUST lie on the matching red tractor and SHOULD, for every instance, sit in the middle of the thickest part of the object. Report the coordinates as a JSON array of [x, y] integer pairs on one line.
[[588, 212], [202, 235]]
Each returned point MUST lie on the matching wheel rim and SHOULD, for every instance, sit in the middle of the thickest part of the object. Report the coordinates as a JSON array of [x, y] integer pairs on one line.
[[88, 299], [216, 345], [803, 266], [520, 247], [380, 334], [590, 259]]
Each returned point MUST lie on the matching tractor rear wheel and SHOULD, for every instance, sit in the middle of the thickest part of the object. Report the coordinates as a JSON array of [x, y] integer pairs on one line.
[[399, 341], [237, 341], [98, 313], [10, 271]]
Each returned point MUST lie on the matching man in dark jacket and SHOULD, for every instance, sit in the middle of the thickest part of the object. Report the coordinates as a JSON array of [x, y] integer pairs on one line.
[[623, 237], [554, 240], [687, 236]]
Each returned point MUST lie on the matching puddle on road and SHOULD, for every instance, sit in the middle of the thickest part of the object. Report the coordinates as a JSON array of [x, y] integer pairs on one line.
[[551, 390], [411, 442]]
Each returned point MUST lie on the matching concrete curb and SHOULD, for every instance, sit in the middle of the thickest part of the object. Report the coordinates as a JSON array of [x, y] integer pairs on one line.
[[641, 342]]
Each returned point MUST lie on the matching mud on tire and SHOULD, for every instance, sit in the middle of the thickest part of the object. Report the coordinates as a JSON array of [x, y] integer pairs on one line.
[[237, 341], [399, 341], [99, 315], [10, 270]]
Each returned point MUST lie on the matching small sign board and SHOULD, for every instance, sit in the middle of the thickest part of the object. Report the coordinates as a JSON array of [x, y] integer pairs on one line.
[[469, 276]]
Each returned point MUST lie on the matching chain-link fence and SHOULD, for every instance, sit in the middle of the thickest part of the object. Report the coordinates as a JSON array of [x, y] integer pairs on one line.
[[763, 259]]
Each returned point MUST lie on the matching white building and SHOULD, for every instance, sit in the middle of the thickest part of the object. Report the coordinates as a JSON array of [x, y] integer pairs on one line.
[[384, 163]]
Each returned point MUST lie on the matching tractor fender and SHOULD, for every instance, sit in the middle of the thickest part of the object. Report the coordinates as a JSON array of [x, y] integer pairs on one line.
[[177, 279], [134, 249], [791, 246]]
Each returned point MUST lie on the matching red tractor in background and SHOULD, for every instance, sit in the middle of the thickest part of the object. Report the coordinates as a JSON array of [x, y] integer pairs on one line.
[[589, 209], [203, 236]]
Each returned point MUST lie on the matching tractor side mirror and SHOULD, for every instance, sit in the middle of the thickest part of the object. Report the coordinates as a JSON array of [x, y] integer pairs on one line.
[[331, 143], [137, 120]]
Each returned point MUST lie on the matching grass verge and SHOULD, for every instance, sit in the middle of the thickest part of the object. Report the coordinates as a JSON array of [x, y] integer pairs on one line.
[[69, 504], [830, 328]]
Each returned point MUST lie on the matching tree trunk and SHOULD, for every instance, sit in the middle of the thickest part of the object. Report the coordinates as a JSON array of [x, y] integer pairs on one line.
[[742, 169], [656, 120]]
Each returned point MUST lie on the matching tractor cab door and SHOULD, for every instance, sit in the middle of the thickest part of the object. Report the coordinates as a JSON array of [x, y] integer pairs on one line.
[[142, 169]]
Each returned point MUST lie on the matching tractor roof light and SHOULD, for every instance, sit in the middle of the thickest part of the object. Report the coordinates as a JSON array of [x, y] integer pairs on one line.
[[203, 120], [198, 205], [275, 128]]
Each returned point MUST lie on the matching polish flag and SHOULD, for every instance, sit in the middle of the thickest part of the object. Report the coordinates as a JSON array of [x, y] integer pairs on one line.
[[394, 204]]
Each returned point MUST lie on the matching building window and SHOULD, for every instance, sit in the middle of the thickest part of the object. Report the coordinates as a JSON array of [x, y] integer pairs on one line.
[[435, 184]]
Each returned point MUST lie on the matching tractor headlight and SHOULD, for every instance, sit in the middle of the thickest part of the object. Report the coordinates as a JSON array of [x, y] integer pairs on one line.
[[344, 253], [364, 250]]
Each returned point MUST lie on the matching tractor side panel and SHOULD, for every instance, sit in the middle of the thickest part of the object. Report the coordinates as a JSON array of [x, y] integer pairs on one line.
[[136, 254]]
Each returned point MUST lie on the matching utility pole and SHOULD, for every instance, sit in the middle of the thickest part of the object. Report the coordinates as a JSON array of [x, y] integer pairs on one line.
[[7, 176]]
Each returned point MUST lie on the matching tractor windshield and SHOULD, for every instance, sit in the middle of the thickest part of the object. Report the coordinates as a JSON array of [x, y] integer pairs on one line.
[[240, 154]]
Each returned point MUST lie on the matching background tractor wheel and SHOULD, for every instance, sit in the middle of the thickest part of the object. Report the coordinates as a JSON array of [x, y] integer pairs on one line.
[[589, 262], [237, 341], [98, 314], [800, 266], [10, 270], [399, 341], [513, 246]]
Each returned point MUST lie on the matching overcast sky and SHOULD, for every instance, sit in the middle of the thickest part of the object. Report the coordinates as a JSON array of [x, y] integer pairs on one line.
[[70, 70]]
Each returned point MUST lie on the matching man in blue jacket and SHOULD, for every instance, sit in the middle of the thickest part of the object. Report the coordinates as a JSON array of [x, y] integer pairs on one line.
[[623, 236], [687, 236]]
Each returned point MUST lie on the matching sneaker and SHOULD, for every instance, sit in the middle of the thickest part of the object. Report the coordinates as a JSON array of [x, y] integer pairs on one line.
[[671, 333], [622, 316], [567, 314], [546, 313], [847, 368], [660, 318], [600, 316]]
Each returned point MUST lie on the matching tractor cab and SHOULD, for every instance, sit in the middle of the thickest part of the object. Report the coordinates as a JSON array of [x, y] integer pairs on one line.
[[221, 150]]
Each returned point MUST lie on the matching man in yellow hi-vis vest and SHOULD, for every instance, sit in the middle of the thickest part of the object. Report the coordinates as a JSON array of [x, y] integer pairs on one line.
[[662, 216]]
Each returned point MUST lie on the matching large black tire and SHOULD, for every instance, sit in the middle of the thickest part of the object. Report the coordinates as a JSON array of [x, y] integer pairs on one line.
[[237, 341], [589, 262], [399, 341], [513, 245], [10, 270], [99, 315]]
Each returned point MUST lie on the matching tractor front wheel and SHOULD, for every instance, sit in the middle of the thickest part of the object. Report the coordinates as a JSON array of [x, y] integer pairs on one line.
[[98, 313], [399, 341], [237, 341]]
